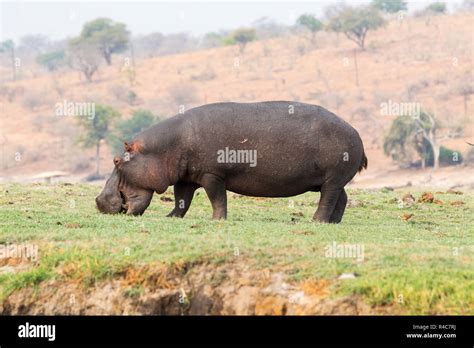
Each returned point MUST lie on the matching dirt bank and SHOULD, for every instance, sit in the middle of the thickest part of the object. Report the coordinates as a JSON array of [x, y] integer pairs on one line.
[[183, 289]]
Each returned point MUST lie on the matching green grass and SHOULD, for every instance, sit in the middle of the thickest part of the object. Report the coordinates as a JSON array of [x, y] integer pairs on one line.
[[422, 266]]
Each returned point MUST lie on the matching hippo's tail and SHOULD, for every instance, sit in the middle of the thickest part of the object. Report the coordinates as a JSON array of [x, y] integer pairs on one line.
[[363, 163]]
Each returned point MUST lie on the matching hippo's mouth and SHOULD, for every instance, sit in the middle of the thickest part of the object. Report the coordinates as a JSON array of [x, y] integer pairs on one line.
[[124, 207]]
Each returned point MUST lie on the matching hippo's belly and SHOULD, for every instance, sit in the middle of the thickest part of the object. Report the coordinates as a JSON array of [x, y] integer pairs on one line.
[[269, 186]]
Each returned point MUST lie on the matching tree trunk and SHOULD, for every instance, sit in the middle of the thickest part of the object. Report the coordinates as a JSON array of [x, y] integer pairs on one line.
[[108, 57], [436, 151], [88, 76], [362, 42], [97, 158], [465, 104], [132, 54], [13, 64], [356, 68]]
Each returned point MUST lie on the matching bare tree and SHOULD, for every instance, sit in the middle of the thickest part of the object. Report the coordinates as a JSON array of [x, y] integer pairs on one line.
[[427, 127], [355, 22], [34, 43], [83, 57], [465, 89], [8, 47]]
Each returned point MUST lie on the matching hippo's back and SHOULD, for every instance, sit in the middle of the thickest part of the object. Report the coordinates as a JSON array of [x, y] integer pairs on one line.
[[260, 113], [297, 146], [281, 119], [282, 125]]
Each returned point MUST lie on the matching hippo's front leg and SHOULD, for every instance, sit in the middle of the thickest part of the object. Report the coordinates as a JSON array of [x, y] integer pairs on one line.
[[183, 196], [216, 191]]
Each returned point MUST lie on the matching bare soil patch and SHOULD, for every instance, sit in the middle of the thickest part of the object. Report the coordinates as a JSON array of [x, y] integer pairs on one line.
[[183, 289]]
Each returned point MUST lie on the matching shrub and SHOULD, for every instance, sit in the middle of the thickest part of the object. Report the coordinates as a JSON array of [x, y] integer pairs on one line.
[[206, 75], [390, 6], [183, 95], [32, 100], [119, 92], [124, 94], [131, 97], [469, 159], [51, 60], [411, 142], [447, 157], [125, 130], [241, 37], [7, 93], [212, 39], [436, 7], [311, 23], [97, 129]]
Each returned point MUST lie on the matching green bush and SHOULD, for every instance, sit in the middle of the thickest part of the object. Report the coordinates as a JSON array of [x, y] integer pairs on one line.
[[131, 97], [447, 157], [125, 130], [95, 130], [241, 37], [404, 144], [311, 23], [51, 60], [469, 159], [228, 41], [390, 6], [436, 7]]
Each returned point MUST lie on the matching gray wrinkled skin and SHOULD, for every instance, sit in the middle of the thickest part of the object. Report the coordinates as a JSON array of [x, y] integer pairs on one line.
[[298, 148]]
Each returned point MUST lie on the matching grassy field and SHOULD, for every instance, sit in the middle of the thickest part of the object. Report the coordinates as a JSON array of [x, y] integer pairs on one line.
[[416, 260]]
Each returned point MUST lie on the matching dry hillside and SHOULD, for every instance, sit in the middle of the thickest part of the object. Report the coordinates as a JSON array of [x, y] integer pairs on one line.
[[423, 60]]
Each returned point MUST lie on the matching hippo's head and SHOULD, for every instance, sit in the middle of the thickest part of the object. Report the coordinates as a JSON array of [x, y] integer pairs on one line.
[[132, 183], [111, 200]]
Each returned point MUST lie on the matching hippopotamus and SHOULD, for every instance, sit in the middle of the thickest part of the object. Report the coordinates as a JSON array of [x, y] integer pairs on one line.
[[264, 149]]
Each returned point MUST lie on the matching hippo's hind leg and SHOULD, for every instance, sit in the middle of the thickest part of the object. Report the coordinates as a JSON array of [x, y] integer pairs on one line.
[[338, 212], [183, 196], [327, 203], [216, 191]]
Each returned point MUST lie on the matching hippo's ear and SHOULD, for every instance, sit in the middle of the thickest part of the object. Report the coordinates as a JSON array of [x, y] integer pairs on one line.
[[133, 147]]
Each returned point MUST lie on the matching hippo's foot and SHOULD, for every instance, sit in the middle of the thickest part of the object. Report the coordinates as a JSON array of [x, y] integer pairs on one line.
[[338, 212], [331, 206], [176, 213], [183, 196]]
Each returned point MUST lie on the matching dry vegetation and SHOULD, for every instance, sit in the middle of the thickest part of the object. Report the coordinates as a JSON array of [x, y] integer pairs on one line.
[[415, 59]]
